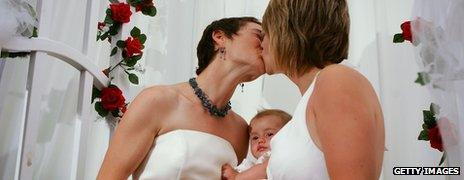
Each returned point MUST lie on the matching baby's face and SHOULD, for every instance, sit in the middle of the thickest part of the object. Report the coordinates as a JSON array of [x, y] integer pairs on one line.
[[262, 130]]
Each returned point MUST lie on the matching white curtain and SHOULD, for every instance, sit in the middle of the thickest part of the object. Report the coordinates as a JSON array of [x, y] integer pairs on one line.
[[170, 57], [55, 135], [438, 34], [12, 105]]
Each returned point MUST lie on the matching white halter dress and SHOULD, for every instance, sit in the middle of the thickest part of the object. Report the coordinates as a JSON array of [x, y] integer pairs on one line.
[[294, 154]]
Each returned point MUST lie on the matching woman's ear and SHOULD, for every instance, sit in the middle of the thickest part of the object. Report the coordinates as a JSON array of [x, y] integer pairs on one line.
[[219, 38]]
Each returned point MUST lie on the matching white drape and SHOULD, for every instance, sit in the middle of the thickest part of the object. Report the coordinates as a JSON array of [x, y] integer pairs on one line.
[[170, 57], [55, 136], [438, 32]]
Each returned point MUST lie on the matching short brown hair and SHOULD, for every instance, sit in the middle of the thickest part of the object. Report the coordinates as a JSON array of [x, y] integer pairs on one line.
[[206, 48], [284, 116], [307, 33]]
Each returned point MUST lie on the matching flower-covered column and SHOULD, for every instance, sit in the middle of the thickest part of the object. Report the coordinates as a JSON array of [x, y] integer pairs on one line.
[[127, 44]]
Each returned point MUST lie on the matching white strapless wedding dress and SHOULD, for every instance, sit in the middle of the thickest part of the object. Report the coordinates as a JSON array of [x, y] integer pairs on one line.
[[187, 154]]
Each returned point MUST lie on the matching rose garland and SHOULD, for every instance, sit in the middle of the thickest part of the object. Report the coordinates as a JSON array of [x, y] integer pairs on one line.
[[110, 100], [430, 130]]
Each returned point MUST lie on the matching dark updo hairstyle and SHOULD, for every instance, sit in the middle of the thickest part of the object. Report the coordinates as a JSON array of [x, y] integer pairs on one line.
[[206, 47]]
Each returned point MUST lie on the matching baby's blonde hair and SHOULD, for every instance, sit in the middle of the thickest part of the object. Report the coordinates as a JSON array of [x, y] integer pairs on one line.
[[284, 116]]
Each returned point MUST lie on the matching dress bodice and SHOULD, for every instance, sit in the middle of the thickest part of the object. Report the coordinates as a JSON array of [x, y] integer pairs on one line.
[[294, 154], [187, 154]]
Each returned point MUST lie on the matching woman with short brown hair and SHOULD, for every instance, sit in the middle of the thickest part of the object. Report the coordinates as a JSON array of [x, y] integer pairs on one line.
[[188, 130], [337, 129]]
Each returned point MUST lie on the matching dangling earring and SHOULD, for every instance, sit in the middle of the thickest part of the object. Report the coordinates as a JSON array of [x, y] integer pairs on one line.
[[242, 86], [223, 53]]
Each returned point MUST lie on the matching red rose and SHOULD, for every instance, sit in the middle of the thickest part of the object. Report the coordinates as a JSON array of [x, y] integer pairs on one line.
[[120, 12], [112, 98], [133, 47], [143, 4], [406, 27], [435, 138], [124, 109], [101, 25]]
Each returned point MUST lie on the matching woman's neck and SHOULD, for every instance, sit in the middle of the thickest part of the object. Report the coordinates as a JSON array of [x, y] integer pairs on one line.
[[303, 81], [220, 79]]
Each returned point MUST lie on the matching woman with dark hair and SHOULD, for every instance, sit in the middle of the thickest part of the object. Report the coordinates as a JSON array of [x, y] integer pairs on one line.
[[337, 130], [186, 130]]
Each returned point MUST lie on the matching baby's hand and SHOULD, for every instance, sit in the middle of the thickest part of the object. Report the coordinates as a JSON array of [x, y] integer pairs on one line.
[[228, 173]]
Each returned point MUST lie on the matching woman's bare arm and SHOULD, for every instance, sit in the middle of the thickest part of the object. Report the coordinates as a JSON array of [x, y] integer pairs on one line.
[[133, 136], [348, 126]]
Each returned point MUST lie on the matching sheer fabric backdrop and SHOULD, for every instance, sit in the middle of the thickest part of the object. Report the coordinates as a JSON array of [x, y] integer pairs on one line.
[[170, 57]]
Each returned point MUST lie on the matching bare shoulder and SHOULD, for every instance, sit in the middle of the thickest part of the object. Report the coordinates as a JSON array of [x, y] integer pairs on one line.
[[344, 90], [156, 97], [240, 131], [341, 76], [239, 121], [339, 81], [150, 106]]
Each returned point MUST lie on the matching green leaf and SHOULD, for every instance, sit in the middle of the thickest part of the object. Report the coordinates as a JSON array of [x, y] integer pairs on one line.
[[108, 12], [114, 51], [429, 119], [95, 93], [435, 109], [114, 1], [142, 38], [398, 38], [34, 32], [104, 36], [121, 44], [133, 78], [424, 126], [149, 11], [115, 113], [137, 57], [108, 19], [134, 2], [422, 78], [442, 160], [114, 29], [130, 62], [424, 135], [99, 33], [101, 111], [135, 32]]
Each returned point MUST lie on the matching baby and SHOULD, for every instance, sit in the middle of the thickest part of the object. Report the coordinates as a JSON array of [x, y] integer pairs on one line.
[[262, 128]]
